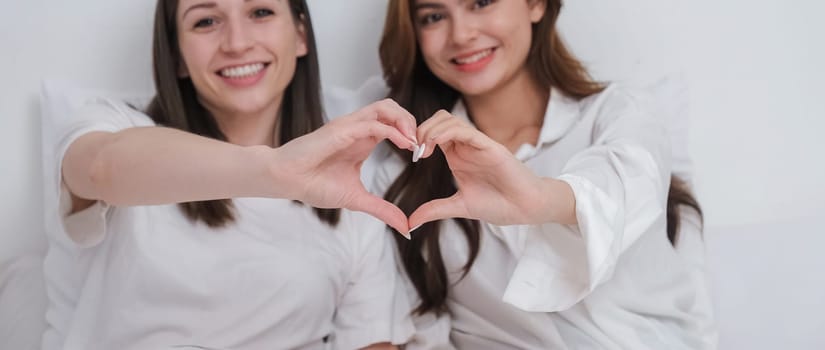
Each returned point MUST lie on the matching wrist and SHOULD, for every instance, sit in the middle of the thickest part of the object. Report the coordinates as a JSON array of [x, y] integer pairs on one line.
[[559, 202], [271, 180]]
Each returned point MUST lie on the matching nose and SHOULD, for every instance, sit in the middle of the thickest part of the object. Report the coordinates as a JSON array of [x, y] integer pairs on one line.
[[236, 38], [464, 30]]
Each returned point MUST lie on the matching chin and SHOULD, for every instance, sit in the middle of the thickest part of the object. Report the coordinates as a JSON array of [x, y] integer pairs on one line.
[[477, 84], [244, 107], [251, 102], [473, 88]]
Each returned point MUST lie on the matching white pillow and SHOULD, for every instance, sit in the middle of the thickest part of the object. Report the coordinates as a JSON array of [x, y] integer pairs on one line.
[[59, 99], [23, 298], [58, 102], [22, 302]]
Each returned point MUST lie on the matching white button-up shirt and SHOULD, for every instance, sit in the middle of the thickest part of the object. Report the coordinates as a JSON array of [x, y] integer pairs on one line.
[[611, 282]]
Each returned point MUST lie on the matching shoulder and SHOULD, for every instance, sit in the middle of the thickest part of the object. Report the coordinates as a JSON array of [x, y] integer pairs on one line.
[[617, 106], [614, 98], [116, 113]]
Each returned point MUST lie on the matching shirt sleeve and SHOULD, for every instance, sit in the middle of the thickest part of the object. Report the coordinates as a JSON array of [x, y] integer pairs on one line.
[[371, 309], [85, 228], [620, 184]]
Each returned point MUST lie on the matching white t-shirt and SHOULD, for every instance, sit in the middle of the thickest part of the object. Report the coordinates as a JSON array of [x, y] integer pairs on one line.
[[146, 277], [611, 282]]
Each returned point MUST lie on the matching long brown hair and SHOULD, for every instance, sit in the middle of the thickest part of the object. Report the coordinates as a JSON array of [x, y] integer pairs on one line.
[[176, 104], [417, 89]]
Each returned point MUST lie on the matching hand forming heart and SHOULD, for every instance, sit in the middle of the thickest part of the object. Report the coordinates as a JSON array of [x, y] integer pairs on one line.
[[493, 185]]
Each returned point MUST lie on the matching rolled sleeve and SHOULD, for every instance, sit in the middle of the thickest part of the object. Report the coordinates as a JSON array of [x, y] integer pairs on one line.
[[85, 228], [620, 184]]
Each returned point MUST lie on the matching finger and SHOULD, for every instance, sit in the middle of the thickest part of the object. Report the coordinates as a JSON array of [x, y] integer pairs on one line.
[[461, 133], [382, 210], [380, 131], [438, 209], [438, 129], [438, 121], [377, 131], [390, 112]]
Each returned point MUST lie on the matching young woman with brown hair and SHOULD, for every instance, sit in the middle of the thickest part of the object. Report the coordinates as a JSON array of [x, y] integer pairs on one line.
[[154, 249], [547, 210]]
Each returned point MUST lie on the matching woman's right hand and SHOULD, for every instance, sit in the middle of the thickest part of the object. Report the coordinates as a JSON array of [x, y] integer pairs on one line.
[[493, 185], [323, 168]]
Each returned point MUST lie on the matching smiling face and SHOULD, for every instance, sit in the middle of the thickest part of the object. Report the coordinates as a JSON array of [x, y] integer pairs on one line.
[[240, 54], [476, 46]]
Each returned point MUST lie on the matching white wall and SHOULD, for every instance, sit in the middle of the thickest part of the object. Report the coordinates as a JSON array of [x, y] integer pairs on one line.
[[755, 75], [348, 39], [753, 68], [94, 43]]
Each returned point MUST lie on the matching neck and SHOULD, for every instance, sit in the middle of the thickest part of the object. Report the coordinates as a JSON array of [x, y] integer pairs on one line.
[[513, 113], [251, 129]]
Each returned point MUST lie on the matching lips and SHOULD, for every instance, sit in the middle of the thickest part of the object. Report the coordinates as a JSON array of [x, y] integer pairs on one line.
[[475, 61], [473, 57]]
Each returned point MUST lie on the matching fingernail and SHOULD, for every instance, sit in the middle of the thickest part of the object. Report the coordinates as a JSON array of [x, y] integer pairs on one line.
[[415, 228], [419, 151]]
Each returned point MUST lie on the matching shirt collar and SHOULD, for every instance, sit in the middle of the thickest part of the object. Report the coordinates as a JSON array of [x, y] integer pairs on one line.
[[561, 114]]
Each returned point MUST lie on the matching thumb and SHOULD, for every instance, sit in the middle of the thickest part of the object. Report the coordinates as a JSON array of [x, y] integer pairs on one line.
[[438, 209]]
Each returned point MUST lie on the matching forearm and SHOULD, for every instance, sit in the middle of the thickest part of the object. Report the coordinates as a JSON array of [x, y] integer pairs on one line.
[[558, 202], [154, 165]]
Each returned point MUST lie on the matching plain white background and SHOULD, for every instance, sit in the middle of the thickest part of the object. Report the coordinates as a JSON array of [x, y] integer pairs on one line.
[[753, 68]]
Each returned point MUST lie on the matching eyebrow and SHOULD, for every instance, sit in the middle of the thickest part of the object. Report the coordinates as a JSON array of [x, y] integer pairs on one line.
[[427, 5], [202, 5], [205, 5]]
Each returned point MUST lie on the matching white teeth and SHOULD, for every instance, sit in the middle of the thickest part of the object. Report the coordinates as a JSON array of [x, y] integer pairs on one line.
[[242, 71], [474, 58]]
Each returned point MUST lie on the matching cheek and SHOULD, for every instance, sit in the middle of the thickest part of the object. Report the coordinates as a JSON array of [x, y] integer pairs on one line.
[[516, 35], [195, 56], [286, 43], [431, 44]]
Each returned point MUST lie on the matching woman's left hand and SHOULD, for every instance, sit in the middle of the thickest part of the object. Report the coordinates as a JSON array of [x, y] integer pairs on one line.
[[323, 168], [493, 185]]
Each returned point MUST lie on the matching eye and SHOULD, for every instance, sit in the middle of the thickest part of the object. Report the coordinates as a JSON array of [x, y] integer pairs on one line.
[[261, 13], [205, 23], [482, 3], [431, 18]]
